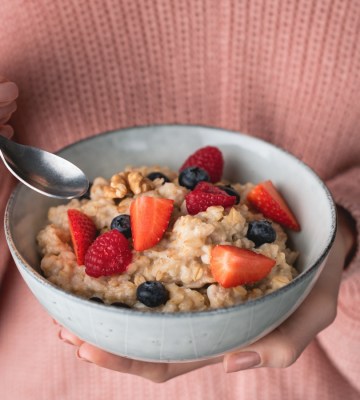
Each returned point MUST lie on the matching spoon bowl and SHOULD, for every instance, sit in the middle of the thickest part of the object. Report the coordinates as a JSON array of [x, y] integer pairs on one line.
[[42, 171]]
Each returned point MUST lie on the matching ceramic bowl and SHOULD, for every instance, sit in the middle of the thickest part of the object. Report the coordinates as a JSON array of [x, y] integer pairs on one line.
[[175, 337]]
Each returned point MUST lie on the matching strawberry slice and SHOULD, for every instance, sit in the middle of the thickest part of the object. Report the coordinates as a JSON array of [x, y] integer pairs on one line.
[[83, 232], [208, 158], [232, 266], [266, 199], [149, 217]]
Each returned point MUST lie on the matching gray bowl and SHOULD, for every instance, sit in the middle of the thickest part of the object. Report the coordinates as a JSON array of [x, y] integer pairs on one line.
[[175, 337]]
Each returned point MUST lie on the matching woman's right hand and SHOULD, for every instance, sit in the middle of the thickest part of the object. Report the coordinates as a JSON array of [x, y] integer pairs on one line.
[[8, 94]]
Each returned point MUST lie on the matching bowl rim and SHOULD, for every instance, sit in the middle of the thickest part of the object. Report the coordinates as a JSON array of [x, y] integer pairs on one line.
[[173, 314]]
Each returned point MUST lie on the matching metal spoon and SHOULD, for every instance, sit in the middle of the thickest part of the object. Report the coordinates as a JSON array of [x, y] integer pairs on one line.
[[44, 172]]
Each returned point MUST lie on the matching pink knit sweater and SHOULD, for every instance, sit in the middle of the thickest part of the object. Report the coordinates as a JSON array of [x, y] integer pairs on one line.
[[285, 71]]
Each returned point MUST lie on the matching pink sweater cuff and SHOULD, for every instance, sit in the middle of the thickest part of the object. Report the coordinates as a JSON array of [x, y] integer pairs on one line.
[[345, 189], [345, 354]]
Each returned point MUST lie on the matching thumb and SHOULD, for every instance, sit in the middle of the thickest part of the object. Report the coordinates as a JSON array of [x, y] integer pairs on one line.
[[274, 350], [282, 347], [7, 131]]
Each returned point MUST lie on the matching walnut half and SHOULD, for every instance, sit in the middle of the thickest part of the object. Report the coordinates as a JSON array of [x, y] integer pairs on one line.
[[125, 183]]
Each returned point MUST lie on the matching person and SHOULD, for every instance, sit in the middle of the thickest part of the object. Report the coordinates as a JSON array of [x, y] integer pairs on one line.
[[286, 72]]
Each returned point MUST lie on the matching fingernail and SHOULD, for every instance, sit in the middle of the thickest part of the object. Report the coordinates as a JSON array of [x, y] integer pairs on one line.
[[241, 361], [63, 339], [8, 91], [80, 357]]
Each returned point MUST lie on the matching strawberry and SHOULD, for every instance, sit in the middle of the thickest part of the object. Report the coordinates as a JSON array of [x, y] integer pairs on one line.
[[83, 232], [109, 254], [205, 195], [149, 217], [232, 266], [208, 158], [266, 199]]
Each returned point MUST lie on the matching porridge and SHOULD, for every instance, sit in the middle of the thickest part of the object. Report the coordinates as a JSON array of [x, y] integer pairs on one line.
[[150, 238]]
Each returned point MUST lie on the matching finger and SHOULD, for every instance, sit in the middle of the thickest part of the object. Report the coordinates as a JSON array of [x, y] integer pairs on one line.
[[6, 111], [156, 372], [281, 348], [7, 131], [8, 92], [69, 337]]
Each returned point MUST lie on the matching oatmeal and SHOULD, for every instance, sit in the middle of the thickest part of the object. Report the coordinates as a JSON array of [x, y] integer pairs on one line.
[[154, 239]]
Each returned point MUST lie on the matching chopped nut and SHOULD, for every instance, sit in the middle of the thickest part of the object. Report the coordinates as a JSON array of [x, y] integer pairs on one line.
[[119, 184], [138, 183], [124, 206], [129, 182]]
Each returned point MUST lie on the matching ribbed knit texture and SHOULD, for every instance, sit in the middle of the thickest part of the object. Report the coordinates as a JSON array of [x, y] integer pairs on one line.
[[285, 71]]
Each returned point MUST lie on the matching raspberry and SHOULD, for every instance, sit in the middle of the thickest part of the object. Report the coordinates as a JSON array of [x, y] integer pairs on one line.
[[109, 254], [210, 159], [206, 195]]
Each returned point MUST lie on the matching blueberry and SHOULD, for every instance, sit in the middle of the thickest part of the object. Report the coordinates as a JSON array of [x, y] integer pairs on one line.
[[152, 293], [122, 224], [120, 304], [191, 176], [156, 175], [86, 195], [96, 300], [231, 192], [261, 232]]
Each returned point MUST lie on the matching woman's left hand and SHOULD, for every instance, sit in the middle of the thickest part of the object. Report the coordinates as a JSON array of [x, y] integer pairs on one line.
[[278, 349]]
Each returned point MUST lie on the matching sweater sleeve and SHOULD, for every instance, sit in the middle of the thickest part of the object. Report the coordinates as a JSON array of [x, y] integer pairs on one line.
[[6, 184], [341, 339]]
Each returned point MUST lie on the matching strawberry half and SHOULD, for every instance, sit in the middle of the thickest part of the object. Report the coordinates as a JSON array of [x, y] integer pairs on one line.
[[149, 217], [266, 199], [206, 195], [109, 254], [232, 266], [210, 159], [83, 232]]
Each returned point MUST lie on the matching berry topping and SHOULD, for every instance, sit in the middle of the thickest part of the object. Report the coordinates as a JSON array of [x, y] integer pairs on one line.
[[96, 300], [122, 224], [150, 217], [261, 232], [232, 266], [120, 304], [206, 195], [191, 176], [86, 195], [83, 232], [210, 159], [109, 254], [152, 293], [158, 175], [266, 199], [230, 191]]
